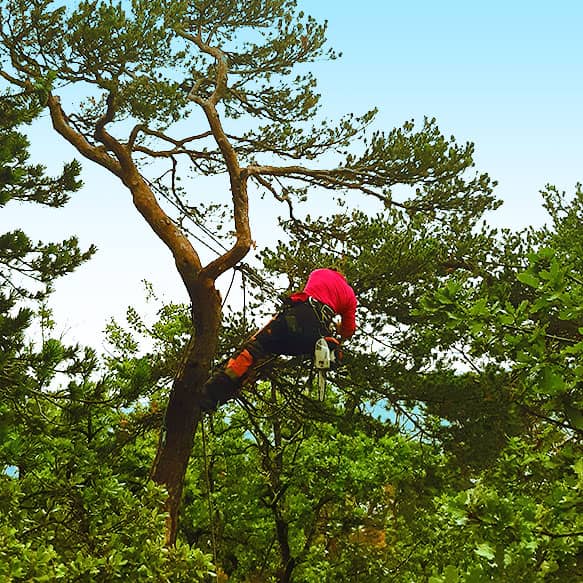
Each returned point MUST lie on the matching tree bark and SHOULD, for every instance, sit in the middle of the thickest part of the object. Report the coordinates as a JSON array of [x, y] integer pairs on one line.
[[183, 412]]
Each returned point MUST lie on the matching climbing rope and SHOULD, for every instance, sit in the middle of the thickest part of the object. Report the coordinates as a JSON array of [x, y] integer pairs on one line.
[[207, 475], [216, 246], [228, 290], [244, 286]]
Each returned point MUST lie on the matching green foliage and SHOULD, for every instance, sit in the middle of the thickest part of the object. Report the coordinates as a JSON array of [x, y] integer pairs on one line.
[[20, 180], [75, 495], [125, 49], [522, 327], [72, 506], [75, 504], [328, 491], [141, 67], [21, 261], [520, 520], [448, 449], [325, 502], [144, 355], [476, 337]]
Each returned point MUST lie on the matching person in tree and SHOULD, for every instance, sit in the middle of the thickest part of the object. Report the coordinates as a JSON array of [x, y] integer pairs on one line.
[[294, 330]]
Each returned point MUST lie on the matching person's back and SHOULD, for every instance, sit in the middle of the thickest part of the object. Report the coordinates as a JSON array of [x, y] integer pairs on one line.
[[331, 288]]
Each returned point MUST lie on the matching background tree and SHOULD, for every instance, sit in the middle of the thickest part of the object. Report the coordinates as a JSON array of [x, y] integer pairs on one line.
[[27, 270], [227, 106], [441, 452], [517, 323], [64, 514]]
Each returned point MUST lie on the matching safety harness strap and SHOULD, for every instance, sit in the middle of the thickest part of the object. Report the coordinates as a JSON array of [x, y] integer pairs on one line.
[[324, 312]]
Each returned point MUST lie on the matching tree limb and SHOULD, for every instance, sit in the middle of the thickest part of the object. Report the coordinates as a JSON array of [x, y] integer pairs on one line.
[[61, 124]]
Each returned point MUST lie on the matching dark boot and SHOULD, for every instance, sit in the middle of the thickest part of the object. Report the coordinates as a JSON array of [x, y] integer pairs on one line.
[[218, 390]]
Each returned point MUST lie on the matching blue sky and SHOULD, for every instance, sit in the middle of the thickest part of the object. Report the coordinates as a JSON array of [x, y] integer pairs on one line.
[[507, 76]]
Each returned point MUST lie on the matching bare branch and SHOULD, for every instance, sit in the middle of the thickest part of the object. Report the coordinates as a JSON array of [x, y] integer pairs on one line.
[[179, 144], [237, 177], [280, 197], [14, 80], [63, 127], [330, 179]]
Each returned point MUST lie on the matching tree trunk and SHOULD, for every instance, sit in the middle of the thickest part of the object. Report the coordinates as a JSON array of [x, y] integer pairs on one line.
[[183, 411]]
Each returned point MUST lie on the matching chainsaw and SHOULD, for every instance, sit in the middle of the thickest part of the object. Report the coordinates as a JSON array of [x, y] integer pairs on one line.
[[325, 358]]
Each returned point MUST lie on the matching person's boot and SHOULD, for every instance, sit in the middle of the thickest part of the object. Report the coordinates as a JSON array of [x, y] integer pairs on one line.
[[218, 390]]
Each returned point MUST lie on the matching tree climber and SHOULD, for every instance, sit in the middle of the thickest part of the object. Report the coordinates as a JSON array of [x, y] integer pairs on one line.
[[305, 317]]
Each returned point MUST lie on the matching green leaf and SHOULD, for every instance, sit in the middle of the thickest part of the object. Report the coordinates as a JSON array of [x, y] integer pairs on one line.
[[551, 382], [528, 279], [451, 574], [485, 550]]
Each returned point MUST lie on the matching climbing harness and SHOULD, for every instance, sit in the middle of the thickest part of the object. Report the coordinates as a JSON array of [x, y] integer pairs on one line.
[[324, 313]]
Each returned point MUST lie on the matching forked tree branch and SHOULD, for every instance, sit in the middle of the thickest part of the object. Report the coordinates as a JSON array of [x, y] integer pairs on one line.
[[122, 165]]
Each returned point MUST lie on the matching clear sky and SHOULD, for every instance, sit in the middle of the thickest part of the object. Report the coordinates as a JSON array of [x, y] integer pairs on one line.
[[506, 75]]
